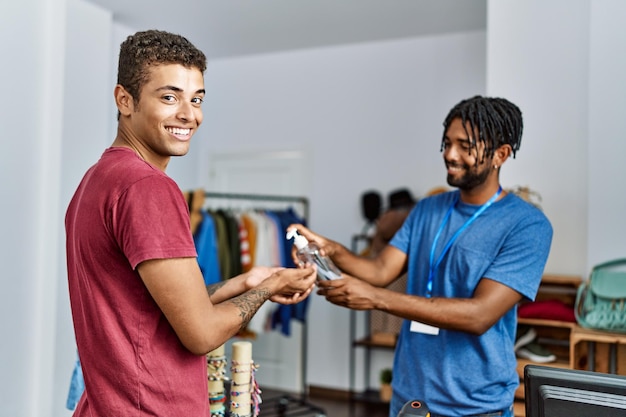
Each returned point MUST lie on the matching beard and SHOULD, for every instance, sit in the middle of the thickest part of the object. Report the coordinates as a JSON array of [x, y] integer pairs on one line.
[[473, 177]]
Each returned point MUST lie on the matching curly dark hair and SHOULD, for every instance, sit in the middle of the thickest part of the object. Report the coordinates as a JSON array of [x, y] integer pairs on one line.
[[496, 120], [153, 47]]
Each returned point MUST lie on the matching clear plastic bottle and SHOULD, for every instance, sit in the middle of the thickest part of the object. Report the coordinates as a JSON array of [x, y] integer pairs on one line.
[[309, 252]]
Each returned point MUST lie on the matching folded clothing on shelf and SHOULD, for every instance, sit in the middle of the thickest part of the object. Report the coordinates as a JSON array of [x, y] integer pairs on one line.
[[547, 310]]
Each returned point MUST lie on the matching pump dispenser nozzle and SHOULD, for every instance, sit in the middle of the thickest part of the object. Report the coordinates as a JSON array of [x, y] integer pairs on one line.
[[298, 240], [308, 252]]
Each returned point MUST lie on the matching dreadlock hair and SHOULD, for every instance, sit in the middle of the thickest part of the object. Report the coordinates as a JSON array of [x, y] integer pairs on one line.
[[497, 122], [150, 48]]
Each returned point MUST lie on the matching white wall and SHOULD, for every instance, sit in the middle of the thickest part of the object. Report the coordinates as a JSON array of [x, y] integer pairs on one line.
[[570, 80], [86, 111], [32, 34], [370, 115], [545, 71], [347, 105], [607, 124]]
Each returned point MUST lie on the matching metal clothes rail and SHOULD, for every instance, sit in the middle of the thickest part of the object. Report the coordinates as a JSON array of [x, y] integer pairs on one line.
[[284, 405], [262, 197]]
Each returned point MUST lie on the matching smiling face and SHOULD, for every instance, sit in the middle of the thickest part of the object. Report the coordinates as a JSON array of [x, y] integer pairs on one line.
[[164, 118], [468, 167], [480, 133]]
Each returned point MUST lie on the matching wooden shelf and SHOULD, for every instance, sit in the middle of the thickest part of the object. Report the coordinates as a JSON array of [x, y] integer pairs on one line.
[[372, 343], [546, 323], [564, 280], [608, 354], [583, 334]]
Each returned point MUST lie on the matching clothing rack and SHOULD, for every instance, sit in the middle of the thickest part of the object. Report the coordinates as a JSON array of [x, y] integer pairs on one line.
[[262, 197], [285, 405]]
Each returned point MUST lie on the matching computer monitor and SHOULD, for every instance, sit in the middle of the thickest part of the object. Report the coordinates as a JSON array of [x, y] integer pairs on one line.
[[558, 392]]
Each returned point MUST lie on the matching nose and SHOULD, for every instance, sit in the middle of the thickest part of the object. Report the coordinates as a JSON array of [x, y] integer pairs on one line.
[[451, 153], [187, 112]]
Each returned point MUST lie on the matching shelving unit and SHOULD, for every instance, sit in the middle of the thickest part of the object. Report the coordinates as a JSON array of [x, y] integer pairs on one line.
[[598, 351], [367, 345], [554, 334]]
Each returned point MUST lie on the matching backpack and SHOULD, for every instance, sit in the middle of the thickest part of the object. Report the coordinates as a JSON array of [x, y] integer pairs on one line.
[[601, 300]]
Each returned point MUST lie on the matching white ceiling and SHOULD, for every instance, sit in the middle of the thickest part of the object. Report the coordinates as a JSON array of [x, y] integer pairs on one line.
[[227, 28]]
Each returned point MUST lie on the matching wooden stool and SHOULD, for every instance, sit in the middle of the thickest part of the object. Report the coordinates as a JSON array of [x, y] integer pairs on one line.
[[603, 352]]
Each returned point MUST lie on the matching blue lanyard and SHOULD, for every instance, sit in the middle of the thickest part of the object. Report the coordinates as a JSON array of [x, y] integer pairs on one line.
[[434, 265]]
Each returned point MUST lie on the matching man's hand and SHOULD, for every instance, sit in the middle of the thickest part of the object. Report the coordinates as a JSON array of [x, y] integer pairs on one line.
[[258, 274], [349, 292], [292, 284], [292, 299]]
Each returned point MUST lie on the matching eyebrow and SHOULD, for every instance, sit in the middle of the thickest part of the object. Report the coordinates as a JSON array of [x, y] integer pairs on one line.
[[178, 89], [468, 139]]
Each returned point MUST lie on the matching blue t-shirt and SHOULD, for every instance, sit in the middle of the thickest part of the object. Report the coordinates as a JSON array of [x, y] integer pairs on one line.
[[457, 373]]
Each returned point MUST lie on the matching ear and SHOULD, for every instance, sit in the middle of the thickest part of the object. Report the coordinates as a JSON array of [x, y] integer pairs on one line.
[[501, 155], [123, 100]]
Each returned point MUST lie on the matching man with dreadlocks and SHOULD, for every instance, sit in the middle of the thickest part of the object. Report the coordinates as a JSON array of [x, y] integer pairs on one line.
[[471, 255]]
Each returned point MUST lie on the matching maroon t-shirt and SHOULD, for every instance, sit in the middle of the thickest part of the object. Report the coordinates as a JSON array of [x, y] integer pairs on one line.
[[126, 211]]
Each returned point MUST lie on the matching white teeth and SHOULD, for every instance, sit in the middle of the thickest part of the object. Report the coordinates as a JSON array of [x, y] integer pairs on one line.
[[178, 131]]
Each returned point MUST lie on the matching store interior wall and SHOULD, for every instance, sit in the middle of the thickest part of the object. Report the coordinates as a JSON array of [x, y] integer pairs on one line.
[[347, 105]]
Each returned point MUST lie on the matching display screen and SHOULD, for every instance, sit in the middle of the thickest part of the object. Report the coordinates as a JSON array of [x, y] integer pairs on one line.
[[557, 392]]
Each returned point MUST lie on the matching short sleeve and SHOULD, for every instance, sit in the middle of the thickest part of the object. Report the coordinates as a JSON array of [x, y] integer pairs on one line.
[[522, 258], [151, 221]]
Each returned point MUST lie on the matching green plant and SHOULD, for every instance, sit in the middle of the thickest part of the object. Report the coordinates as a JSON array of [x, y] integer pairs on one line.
[[385, 376]]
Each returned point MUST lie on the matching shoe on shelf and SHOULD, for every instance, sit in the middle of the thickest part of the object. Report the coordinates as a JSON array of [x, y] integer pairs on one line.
[[525, 335], [536, 353]]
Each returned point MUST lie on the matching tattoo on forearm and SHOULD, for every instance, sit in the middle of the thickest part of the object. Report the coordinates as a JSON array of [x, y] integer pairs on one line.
[[212, 289], [249, 302]]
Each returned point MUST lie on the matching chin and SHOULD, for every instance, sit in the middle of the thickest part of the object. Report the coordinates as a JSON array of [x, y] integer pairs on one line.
[[179, 150], [453, 182], [175, 154]]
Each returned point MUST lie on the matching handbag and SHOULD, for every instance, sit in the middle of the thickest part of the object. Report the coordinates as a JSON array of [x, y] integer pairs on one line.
[[601, 301]]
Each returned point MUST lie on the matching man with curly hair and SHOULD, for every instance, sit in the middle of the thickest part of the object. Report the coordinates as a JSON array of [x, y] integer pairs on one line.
[[142, 316]]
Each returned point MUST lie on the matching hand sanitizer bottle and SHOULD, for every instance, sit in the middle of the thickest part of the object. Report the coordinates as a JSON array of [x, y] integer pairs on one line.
[[309, 252]]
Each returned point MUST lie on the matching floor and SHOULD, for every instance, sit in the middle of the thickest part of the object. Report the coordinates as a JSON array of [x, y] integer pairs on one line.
[[327, 404], [317, 404]]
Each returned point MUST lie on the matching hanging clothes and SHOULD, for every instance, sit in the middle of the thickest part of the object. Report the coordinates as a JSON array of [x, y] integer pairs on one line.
[[284, 313], [205, 240], [77, 386], [250, 225], [244, 245], [221, 236], [245, 238]]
